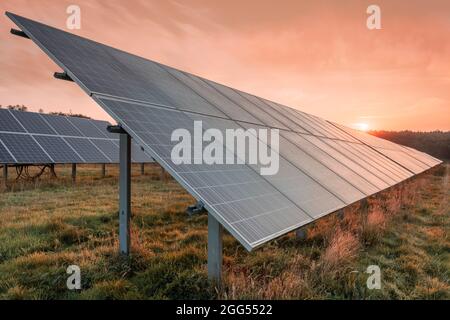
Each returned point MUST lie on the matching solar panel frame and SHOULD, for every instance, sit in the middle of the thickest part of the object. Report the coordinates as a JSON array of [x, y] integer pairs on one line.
[[192, 97]]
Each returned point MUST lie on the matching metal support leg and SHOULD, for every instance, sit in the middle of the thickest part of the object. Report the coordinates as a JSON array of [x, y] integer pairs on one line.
[[215, 232], [162, 174], [5, 175], [74, 173], [52, 171], [103, 170], [125, 193], [142, 169]]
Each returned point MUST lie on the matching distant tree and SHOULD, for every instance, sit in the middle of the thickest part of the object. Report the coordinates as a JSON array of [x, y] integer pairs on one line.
[[435, 143], [17, 107], [41, 110], [77, 115]]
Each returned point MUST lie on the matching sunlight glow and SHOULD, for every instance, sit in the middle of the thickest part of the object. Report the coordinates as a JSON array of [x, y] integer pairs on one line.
[[361, 126]]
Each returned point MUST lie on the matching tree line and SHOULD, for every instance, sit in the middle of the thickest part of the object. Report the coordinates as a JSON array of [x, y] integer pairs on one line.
[[435, 143], [21, 107]]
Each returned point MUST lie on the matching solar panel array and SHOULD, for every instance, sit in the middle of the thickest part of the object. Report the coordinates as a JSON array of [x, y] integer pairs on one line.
[[35, 138], [323, 166]]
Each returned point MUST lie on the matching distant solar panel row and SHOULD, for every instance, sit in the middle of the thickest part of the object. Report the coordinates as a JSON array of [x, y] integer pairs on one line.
[[35, 138], [323, 166]]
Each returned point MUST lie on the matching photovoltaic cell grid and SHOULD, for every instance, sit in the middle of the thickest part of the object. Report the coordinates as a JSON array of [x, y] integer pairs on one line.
[[34, 138], [323, 166]]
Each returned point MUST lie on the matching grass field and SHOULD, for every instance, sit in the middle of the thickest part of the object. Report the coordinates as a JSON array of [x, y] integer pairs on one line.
[[50, 224]]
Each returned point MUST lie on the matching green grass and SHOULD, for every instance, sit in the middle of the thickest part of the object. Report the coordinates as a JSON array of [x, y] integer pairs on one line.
[[50, 224]]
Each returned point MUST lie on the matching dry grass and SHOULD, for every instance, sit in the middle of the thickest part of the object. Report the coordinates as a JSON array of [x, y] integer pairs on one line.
[[342, 248], [51, 224]]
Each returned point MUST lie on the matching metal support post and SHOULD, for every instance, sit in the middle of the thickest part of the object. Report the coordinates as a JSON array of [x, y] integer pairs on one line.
[[215, 232], [5, 175], [74, 172], [125, 193]]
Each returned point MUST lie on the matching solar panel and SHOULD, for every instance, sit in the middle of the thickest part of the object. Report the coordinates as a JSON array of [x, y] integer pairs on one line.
[[8, 123], [87, 128], [24, 148], [291, 180], [323, 167], [33, 122], [236, 193], [102, 126], [5, 156], [108, 148], [87, 150], [278, 113], [58, 149], [138, 154], [415, 164], [345, 170], [48, 135], [62, 126], [224, 108]]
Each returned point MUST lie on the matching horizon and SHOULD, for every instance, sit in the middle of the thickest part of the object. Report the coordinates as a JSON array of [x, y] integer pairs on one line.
[[80, 115], [401, 83]]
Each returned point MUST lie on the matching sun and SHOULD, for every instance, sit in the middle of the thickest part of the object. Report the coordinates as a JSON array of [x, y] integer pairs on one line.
[[361, 126]]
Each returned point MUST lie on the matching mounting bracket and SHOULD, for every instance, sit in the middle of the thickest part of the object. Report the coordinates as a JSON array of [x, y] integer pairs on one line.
[[116, 129], [62, 76], [197, 208], [19, 33]]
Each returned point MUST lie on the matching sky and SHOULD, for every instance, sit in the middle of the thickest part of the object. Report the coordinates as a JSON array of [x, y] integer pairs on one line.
[[316, 56]]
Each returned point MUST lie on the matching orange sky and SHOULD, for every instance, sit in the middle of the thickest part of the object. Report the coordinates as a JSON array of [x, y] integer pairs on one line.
[[317, 56]]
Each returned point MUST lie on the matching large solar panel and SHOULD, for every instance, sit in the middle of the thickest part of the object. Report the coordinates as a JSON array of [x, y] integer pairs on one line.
[[323, 167], [34, 138]]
